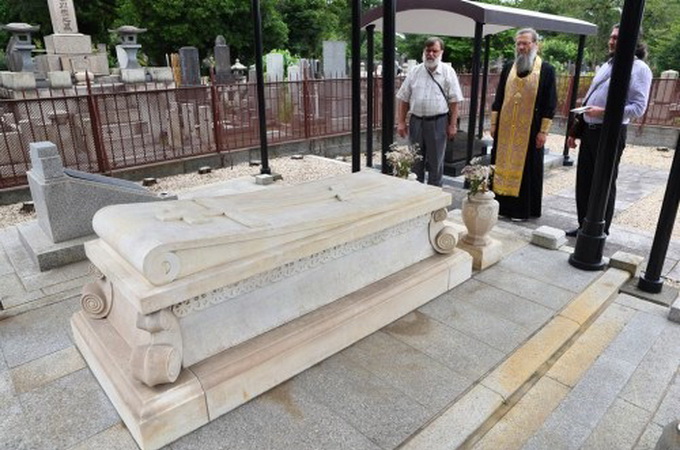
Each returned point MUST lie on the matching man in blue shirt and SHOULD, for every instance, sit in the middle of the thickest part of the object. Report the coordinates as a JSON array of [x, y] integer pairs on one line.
[[596, 100]]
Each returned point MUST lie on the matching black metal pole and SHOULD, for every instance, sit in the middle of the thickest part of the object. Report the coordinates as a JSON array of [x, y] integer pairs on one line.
[[370, 55], [651, 280], [389, 42], [485, 79], [259, 72], [356, 86], [591, 238], [567, 161], [474, 90]]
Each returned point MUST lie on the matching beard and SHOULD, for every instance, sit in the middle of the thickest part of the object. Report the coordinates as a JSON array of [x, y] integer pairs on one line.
[[525, 62], [431, 64]]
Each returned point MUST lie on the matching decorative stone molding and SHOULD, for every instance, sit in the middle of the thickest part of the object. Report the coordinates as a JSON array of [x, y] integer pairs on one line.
[[443, 237], [223, 294], [160, 361], [97, 297]]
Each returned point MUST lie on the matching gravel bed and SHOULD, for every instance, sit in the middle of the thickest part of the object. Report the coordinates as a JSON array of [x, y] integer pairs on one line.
[[642, 215]]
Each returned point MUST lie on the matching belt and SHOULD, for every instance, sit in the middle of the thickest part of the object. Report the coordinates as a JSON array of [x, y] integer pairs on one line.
[[431, 117], [598, 126]]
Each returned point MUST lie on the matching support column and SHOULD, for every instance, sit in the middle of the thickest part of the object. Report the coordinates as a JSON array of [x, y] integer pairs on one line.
[[590, 241]]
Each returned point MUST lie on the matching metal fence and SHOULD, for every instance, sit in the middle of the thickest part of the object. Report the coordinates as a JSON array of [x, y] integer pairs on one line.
[[104, 129]]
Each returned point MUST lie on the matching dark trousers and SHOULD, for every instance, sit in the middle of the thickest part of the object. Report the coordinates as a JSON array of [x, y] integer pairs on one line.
[[430, 135], [585, 171]]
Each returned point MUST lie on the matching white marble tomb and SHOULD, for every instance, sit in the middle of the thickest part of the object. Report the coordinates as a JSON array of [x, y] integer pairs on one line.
[[206, 303]]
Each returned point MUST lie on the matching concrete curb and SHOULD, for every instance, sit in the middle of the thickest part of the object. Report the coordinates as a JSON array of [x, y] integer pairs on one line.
[[477, 410]]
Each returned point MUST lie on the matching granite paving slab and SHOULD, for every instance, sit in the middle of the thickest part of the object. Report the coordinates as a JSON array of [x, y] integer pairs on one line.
[[67, 411], [5, 264], [549, 266], [650, 437], [40, 372], [463, 354], [412, 372], [637, 338], [28, 271], [548, 295], [14, 432], [650, 380], [116, 437], [501, 303], [620, 427], [668, 409], [497, 332], [37, 333], [574, 419], [287, 416], [380, 412]]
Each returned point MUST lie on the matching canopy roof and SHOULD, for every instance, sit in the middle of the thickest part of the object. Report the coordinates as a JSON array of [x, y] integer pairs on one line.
[[458, 17]]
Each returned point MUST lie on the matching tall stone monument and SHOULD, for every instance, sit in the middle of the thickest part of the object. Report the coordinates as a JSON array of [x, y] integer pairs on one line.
[[334, 59], [67, 49], [222, 53]]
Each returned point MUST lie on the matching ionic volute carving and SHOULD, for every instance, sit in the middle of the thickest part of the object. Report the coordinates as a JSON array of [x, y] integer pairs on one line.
[[159, 361], [96, 298], [443, 237]]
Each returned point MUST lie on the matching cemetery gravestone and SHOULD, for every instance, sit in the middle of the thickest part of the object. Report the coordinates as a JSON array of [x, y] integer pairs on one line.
[[334, 63], [189, 64], [223, 73]]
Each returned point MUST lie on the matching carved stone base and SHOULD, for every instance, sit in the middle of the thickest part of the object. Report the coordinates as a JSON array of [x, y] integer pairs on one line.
[[159, 415], [483, 256]]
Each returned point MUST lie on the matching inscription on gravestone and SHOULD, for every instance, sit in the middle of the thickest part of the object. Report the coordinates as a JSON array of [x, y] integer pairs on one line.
[[63, 16], [189, 64]]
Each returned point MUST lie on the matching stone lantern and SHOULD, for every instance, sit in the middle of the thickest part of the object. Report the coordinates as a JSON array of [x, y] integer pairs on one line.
[[20, 46], [126, 51], [239, 70]]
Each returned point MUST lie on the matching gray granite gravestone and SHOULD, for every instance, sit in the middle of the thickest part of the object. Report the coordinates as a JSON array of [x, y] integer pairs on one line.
[[65, 202], [189, 65], [223, 73], [274, 67], [334, 59]]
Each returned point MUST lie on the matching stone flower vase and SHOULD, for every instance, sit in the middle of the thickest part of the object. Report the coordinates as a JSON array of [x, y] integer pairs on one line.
[[480, 214]]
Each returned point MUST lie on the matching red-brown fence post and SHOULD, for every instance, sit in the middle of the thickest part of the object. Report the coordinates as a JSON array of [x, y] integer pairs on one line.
[[96, 123], [217, 123]]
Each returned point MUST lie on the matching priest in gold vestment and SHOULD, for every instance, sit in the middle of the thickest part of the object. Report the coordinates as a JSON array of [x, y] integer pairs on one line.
[[521, 117]]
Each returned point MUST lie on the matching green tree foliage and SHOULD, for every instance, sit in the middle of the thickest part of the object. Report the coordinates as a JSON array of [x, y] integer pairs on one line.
[[177, 23], [309, 23]]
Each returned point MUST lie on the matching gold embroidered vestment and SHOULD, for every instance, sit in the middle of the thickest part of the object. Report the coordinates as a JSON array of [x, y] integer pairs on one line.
[[514, 129]]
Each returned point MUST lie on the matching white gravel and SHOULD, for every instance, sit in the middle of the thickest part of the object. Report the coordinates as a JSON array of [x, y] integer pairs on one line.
[[642, 215]]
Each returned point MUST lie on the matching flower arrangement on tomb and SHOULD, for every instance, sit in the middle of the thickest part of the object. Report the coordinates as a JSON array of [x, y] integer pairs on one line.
[[401, 158], [478, 176]]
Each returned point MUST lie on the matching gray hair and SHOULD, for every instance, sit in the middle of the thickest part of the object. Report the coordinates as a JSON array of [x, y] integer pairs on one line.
[[434, 40], [531, 31]]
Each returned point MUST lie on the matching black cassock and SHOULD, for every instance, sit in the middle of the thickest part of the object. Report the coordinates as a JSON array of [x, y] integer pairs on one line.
[[528, 203]]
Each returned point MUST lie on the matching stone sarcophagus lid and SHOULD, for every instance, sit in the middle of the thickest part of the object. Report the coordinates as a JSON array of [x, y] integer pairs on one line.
[[203, 304]]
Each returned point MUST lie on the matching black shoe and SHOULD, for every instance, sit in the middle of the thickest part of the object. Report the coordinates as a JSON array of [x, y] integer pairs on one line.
[[572, 233]]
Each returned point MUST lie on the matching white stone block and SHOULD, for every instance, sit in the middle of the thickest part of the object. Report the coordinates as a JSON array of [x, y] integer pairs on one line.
[[68, 44], [18, 81], [627, 261], [59, 79], [674, 313], [548, 237], [264, 179], [160, 74], [131, 76], [483, 256]]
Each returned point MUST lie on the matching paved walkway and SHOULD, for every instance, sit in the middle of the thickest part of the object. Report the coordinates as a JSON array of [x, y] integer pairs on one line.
[[535, 352]]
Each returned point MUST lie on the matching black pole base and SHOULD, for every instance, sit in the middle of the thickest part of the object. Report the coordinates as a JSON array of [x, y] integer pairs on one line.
[[589, 249], [651, 286], [567, 161], [265, 171]]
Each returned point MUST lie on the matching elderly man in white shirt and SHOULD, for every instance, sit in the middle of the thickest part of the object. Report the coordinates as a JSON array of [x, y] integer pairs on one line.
[[430, 94]]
